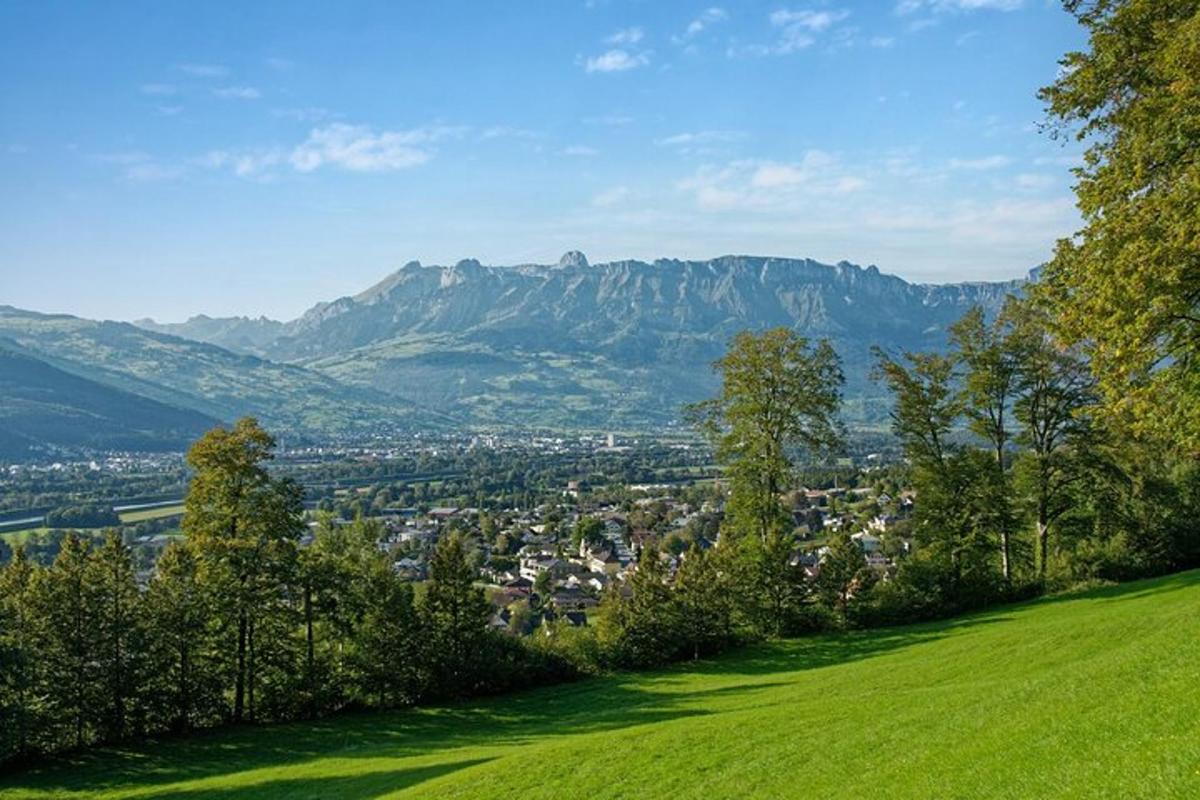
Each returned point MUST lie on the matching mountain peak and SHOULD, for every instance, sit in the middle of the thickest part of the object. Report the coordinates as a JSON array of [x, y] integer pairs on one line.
[[573, 258]]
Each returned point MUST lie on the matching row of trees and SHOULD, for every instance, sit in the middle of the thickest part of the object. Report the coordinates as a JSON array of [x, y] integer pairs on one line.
[[1044, 491], [238, 622]]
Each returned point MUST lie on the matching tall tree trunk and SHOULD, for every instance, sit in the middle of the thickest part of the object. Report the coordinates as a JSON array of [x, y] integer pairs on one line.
[[1043, 536], [308, 632], [239, 685], [1005, 543], [251, 676]]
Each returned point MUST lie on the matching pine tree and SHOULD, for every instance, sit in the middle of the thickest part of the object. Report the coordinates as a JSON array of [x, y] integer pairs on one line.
[[387, 663], [454, 615], [839, 570], [703, 597], [22, 696], [120, 639], [184, 669], [66, 601]]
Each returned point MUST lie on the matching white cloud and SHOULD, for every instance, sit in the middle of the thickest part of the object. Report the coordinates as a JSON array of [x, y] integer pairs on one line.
[[360, 149], [611, 120], [882, 41], [611, 197], [139, 167], [951, 6], [204, 70], [626, 36], [815, 21], [580, 150], [307, 114], [168, 111], [700, 137], [508, 132], [251, 164], [982, 163], [797, 30], [158, 89], [237, 93], [707, 18], [616, 61], [772, 186]]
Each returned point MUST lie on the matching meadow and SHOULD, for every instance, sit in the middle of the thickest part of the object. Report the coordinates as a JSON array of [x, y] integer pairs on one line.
[[1090, 695]]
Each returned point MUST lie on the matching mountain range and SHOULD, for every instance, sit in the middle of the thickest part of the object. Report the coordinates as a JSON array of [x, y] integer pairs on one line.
[[619, 345]]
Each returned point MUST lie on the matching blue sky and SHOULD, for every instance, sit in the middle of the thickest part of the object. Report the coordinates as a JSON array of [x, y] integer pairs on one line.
[[165, 159]]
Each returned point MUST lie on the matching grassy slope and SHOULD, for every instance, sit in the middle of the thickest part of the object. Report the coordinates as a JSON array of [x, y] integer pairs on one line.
[[1093, 696]]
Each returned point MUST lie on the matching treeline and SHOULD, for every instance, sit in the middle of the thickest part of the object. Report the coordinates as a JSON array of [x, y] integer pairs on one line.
[[1046, 494], [86, 515], [239, 623]]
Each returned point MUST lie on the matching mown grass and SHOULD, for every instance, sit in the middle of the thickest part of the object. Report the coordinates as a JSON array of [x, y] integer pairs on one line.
[[143, 514], [1095, 695]]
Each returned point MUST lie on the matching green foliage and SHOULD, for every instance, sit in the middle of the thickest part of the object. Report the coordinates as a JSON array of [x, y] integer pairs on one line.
[[778, 393], [1127, 287], [1113, 714], [454, 615], [244, 524]]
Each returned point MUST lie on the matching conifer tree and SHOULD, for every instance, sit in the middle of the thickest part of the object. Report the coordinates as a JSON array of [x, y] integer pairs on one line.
[[120, 639]]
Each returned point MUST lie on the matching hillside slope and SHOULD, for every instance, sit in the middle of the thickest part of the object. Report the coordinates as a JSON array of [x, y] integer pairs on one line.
[[621, 344], [202, 377], [43, 405], [1090, 696]]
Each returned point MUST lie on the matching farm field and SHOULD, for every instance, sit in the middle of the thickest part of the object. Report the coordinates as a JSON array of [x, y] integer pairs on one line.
[[1092, 695], [143, 514]]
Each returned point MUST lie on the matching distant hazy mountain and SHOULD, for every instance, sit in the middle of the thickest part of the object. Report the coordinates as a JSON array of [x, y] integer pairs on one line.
[[240, 334], [621, 344], [44, 406], [203, 378]]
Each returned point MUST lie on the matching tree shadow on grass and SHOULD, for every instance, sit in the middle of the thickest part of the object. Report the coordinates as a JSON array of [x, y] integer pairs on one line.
[[356, 787], [615, 703], [584, 707]]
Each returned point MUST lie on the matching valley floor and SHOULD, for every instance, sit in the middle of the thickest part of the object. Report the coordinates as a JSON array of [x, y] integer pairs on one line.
[[1095, 695]]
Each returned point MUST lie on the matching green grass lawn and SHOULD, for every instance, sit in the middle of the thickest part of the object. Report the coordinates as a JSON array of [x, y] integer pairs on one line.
[[143, 514], [1097, 695]]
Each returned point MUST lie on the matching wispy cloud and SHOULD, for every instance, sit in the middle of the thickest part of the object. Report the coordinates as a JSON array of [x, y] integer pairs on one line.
[[795, 30], [508, 132], [360, 149], [580, 150], [611, 120], [951, 6], [611, 197], [707, 18], [139, 167], [159, 89], [699, 137], [626, 36], [616, 60], [753, 185], [303, 114], [251, 164], [882, 41], [237, 93], [982, 163], [204, 70]]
